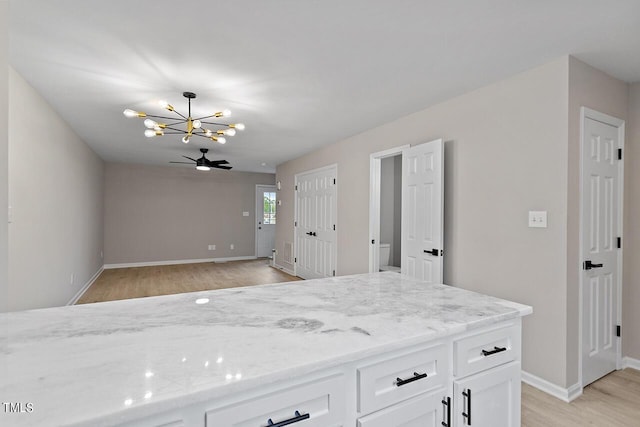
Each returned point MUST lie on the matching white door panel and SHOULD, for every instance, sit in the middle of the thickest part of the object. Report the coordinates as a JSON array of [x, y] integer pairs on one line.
[[422, 211], [600, 205], [315, 224]]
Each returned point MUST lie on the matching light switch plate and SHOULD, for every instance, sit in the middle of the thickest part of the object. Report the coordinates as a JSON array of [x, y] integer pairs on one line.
[[245, 213], [538, 219]]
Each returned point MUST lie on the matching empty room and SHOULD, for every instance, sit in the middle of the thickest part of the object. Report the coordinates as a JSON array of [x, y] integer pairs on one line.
[[319, 214]]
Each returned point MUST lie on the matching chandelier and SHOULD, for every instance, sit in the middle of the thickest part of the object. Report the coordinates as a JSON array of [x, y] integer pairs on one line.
[[186, 125]]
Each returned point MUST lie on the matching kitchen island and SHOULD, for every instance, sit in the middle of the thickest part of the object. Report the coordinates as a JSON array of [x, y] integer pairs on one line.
[[369, 350]]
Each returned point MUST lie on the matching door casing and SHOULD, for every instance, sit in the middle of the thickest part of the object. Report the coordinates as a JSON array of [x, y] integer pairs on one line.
[[375, 167]]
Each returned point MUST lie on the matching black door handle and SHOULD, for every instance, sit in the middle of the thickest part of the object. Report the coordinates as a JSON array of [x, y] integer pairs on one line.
[[588, 265], [416, 376], [311, 233], [434, 252], [446, 402], [494, 351], [295, 419], [467, 415]]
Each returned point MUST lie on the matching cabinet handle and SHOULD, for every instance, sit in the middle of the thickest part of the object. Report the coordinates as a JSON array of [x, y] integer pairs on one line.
[[446, 412], [416, 376], [494, 351], [467, 415], [295, 419]]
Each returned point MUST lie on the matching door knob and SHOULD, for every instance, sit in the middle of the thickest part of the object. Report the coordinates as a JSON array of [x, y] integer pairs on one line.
[[588, 265], [259, 228], [434, 252]]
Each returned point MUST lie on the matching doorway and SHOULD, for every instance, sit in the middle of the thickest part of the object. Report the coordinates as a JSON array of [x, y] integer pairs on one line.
[[601, 195], [265, 220], [417, 211]]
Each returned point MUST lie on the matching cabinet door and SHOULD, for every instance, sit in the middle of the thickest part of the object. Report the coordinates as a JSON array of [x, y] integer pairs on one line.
[[490, 398], [423, 411], [317, 404]]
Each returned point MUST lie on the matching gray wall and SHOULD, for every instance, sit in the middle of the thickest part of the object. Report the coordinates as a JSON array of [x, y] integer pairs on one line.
[[4, 174], [390, 205], [631, 245], [56, 193], [506, 154], [594, 89], [166, 213]]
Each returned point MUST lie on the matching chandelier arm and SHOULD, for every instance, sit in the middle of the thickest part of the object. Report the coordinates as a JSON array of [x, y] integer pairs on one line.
[[214, 123], [176, 129], [201, 134], [175, 133], [205, 117], [168, 118], [185, 118]]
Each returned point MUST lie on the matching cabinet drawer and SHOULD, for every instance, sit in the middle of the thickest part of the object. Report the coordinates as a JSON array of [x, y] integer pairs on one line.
[[425, 410], [486, 350], [379, 385], [316, 404]]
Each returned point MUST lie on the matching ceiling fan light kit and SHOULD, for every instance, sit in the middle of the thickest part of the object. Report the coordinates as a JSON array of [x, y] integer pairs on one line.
[[186, 125]]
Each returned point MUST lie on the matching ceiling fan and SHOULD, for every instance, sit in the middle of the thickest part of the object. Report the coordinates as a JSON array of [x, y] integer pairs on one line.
[[204, 164]]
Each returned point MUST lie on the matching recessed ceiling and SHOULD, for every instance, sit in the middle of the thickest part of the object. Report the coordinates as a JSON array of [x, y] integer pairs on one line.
[[299, 74]]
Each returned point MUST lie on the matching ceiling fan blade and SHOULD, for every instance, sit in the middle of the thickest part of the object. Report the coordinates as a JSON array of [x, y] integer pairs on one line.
[[193, 160], [221, 167], [184, 163], [217, 162]]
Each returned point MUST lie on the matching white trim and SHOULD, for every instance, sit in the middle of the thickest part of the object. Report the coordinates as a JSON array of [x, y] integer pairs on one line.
[[564, 394], [275, 190], [630, 362], [375, 162], [178, 261], [286, 270], [620, 124], [86, 286]]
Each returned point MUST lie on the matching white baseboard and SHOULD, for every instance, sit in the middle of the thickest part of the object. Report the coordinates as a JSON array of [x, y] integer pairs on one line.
[[177, 261], [630, 362], [286, 270], [564, 394], [86, 286]]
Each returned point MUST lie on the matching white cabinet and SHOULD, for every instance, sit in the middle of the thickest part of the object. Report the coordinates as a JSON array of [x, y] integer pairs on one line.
[[466, 379], [400, 377], [489, 399], [425, 410], [317, 404]]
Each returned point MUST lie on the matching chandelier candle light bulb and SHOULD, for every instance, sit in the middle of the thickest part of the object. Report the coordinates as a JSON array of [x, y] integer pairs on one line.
[[185, 124]]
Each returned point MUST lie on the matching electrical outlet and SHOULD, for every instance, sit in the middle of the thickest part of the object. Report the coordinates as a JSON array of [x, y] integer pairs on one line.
[[245, 213], [212, 247], [232, 247]]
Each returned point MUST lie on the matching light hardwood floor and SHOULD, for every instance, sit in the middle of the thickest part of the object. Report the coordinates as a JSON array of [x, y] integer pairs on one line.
[[125, 283], [612, 401]]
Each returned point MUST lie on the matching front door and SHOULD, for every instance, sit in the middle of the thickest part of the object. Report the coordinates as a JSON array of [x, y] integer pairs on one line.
[[600, 252], [422, 211], [265, 220], [315, 223]]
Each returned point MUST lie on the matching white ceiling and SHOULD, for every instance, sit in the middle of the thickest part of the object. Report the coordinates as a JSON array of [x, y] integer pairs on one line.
[[300, 74]]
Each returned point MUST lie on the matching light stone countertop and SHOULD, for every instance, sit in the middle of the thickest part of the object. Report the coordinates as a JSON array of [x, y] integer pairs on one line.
[[106, 363]]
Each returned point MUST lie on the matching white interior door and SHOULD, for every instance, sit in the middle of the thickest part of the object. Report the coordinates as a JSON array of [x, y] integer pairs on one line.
[[600, 252], [265, 220], [422, 211], [315, 224]]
